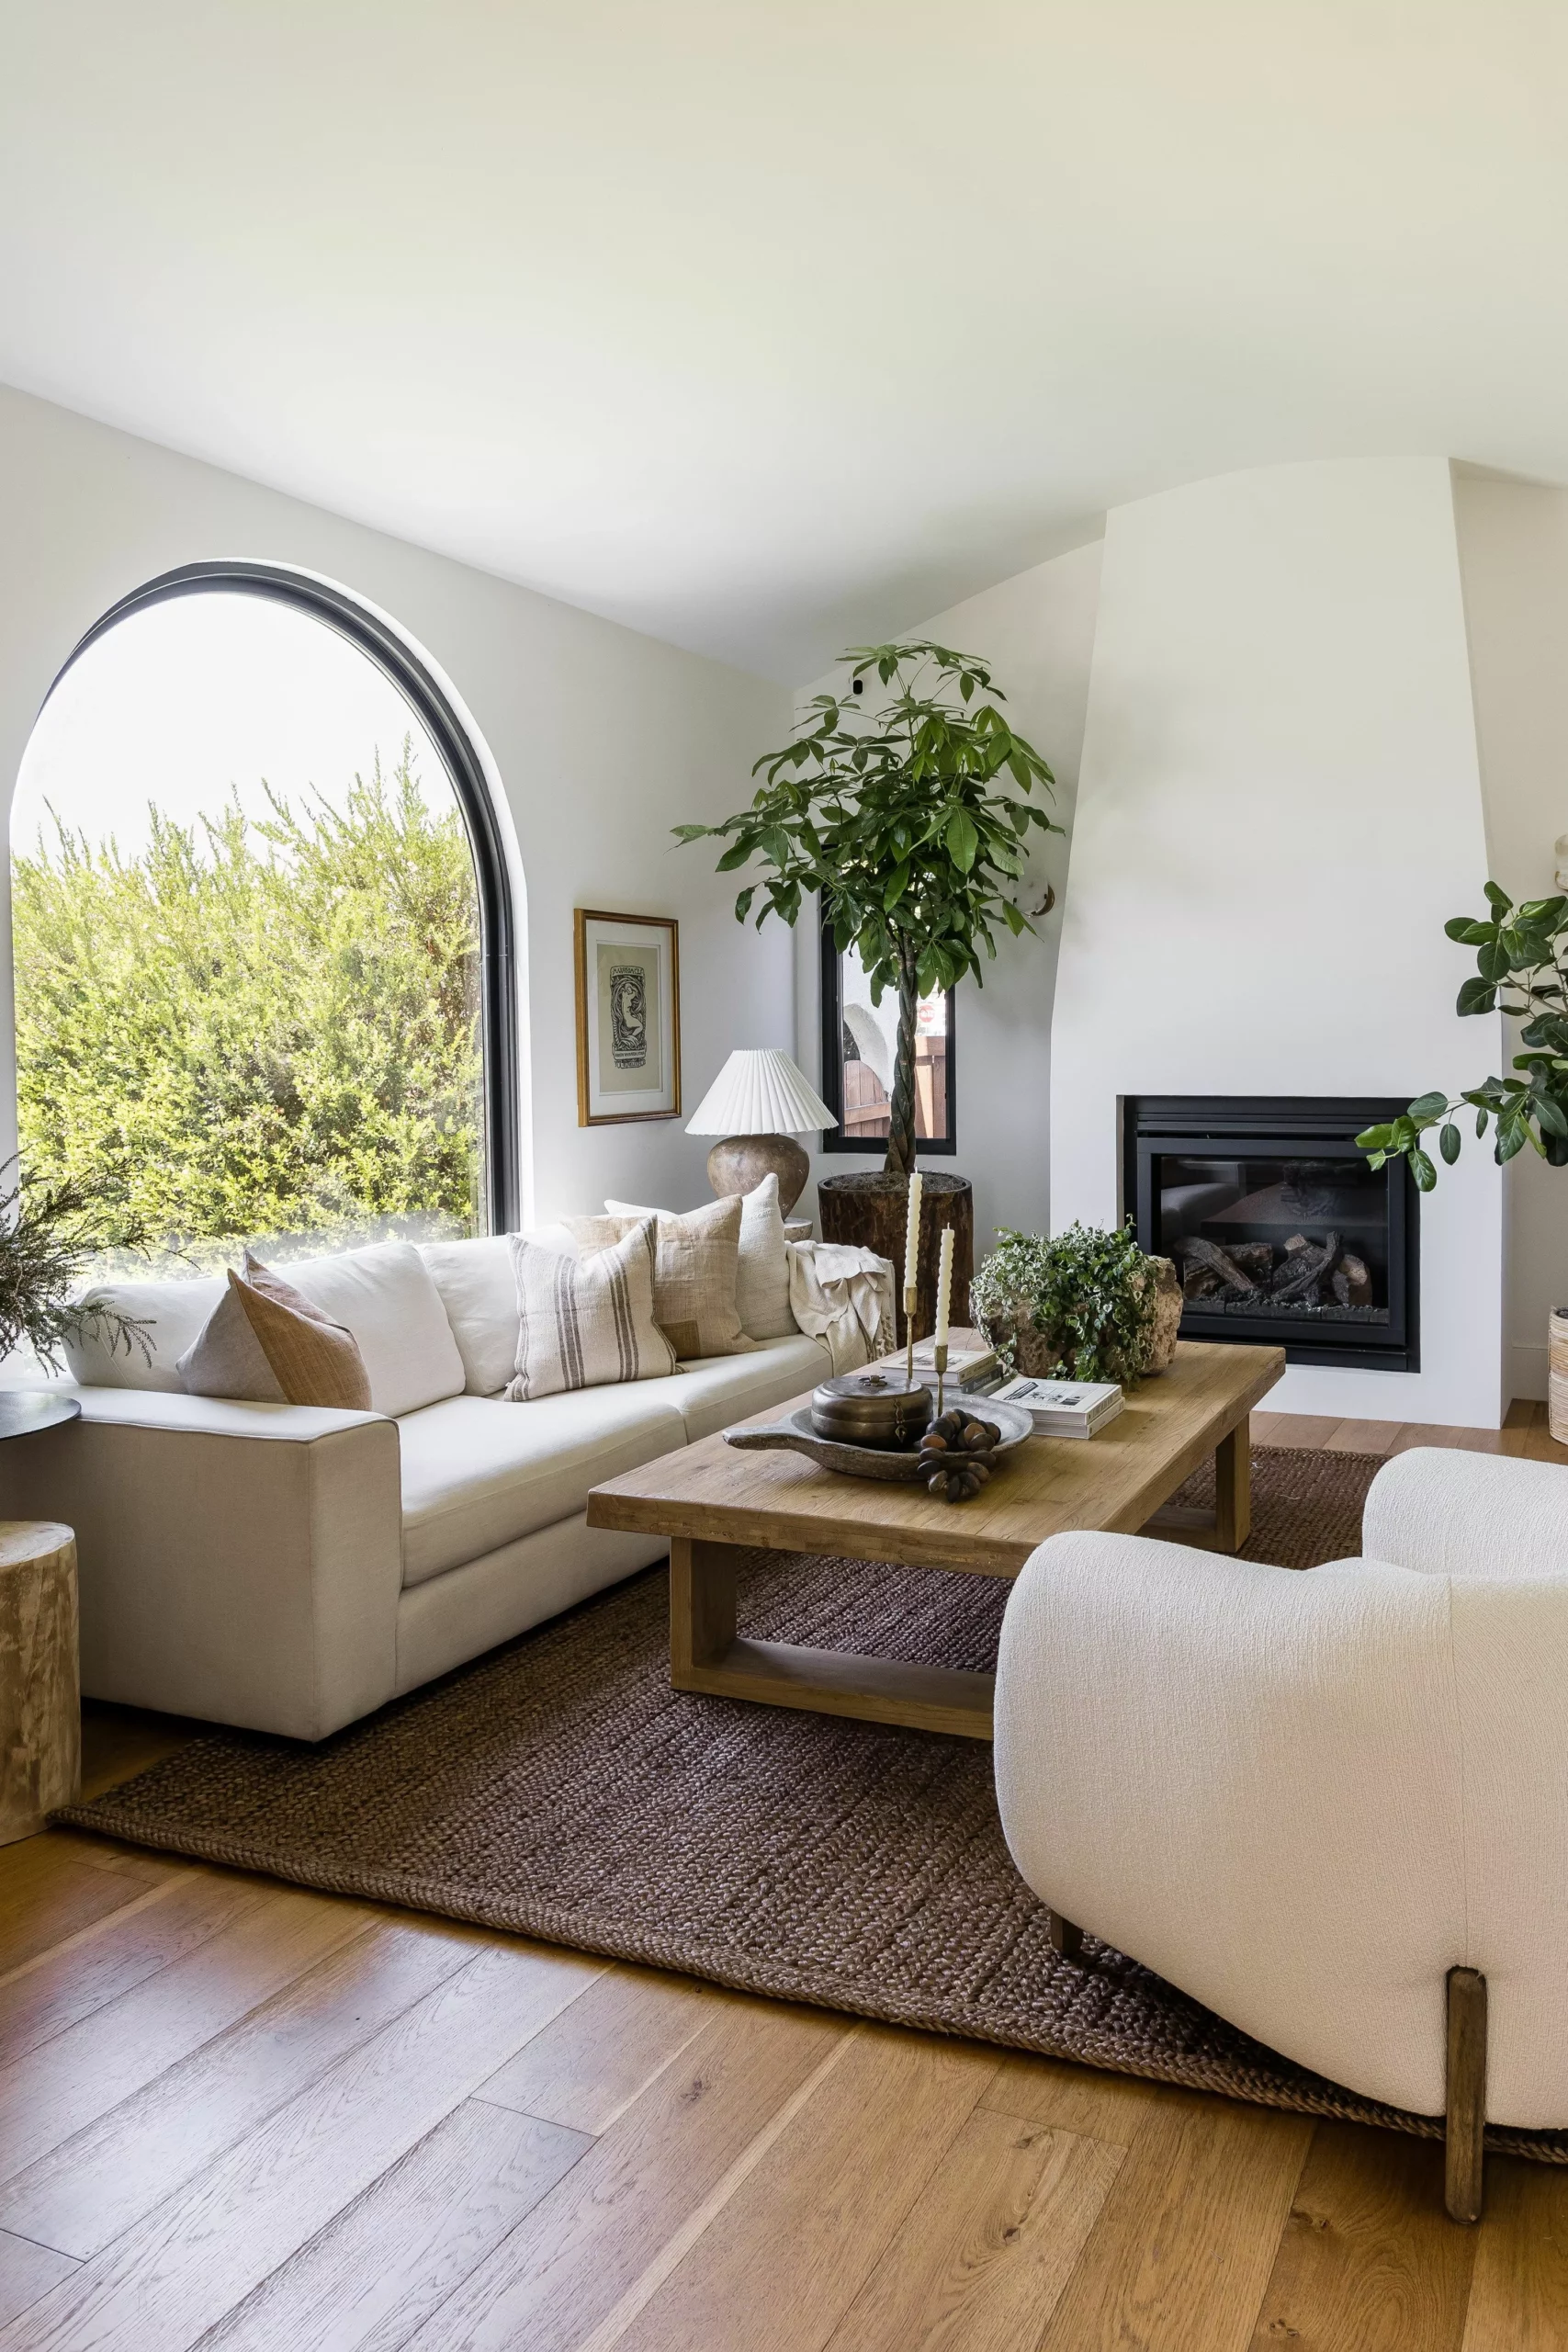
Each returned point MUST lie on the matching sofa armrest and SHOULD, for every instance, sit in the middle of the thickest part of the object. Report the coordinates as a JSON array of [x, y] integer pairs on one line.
[[1248, 1780], [1452, 1513], [241, 1562]]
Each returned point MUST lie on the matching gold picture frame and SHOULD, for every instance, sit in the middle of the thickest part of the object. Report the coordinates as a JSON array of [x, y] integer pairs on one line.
[[629, 1017]]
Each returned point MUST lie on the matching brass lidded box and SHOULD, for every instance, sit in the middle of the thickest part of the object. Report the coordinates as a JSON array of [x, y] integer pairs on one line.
[[876, 1409]]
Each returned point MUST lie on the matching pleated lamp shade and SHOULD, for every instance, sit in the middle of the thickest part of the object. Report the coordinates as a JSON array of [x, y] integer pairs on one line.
[[759, 1093], [756, 1104]]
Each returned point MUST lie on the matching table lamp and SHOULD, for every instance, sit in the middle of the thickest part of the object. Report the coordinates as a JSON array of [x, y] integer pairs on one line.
[[759, 1103]]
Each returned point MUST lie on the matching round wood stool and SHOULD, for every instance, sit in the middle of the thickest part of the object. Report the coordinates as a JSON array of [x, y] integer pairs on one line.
[[41, 1698]]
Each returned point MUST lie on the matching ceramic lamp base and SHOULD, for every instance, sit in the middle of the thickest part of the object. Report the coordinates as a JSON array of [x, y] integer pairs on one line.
[[740, 1163]]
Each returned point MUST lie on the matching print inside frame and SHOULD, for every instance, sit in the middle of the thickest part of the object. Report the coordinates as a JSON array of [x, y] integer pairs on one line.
[[629, 1017]]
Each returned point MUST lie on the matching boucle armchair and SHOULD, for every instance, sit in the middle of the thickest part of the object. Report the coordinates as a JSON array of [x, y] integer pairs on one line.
[[1331, 1807]]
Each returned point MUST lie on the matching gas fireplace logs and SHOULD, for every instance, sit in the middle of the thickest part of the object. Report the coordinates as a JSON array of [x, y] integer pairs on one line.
[[1256, 1277]]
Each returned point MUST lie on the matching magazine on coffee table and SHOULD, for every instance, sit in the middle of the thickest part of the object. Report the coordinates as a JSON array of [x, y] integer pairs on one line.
[[1065, 1408]]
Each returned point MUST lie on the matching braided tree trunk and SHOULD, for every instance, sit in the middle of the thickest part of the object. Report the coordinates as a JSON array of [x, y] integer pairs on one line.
[[900, 1160]]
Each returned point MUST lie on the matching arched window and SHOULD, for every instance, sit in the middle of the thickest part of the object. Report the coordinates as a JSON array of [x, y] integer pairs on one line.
[[262, 929]]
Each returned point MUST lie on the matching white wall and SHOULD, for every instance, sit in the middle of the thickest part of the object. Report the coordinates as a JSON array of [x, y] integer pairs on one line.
[[602, 739], [1279, 806], [1037, 632], [1513, 542]]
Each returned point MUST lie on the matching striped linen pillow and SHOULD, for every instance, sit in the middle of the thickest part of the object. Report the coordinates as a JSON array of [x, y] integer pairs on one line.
[[583, 1322]]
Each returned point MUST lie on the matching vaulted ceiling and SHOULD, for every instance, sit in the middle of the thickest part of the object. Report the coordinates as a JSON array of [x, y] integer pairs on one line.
[[769, 325]]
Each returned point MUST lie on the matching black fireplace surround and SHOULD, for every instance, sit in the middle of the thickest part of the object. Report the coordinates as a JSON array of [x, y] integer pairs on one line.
[[1279, 1229]]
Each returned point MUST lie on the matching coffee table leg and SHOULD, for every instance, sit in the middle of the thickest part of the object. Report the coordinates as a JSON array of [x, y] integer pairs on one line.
[[1233, 1488], [702, 1606]]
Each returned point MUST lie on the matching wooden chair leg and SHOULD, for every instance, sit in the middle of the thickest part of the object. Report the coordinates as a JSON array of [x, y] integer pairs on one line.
[[1064, 1937], [1465, 2130]]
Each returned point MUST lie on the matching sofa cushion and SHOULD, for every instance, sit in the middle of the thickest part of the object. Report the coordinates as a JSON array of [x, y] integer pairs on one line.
[[385, 1297], [173, 1314], [762, 1274], [715, 1391], [694, 1266], [478, 1291], [586, 1322], [477, 1473], [267, 1342]]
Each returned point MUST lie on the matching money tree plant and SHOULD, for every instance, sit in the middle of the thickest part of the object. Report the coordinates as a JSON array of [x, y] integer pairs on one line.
[[909, 816], [1522, 970]]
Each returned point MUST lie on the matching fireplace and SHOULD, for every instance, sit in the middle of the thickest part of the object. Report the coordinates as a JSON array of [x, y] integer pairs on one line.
[[1278, 1228]]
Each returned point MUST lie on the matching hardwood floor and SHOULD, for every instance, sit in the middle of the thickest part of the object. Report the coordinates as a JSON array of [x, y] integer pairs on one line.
[[235, 2114]]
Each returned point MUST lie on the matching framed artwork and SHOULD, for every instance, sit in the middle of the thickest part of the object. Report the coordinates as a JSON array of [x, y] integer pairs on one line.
[[628, 1018]]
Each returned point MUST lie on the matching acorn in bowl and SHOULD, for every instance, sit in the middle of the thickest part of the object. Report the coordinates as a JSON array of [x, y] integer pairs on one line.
[[957, 1454]]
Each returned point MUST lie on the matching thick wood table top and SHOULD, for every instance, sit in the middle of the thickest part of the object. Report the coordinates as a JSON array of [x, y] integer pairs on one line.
[[714, 1492]]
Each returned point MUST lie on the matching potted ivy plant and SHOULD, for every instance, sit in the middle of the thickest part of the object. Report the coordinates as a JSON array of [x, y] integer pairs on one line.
[[1083, 1305], [908, 815]]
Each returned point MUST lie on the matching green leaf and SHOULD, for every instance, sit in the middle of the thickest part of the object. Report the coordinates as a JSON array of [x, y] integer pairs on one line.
[[1481, 1123], [1448, 1143], [1495, 963], [1428, 1107], [962, 839], [898, 884], [1498, 898], [737, 854], [1375, 1138], [690, 832], [1477, 996], [743, 903], [1549, 1115], [1421, 1168]]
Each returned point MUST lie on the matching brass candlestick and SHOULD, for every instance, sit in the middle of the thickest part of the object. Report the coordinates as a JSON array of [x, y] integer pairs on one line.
[[941, 1353], [908, 1335]]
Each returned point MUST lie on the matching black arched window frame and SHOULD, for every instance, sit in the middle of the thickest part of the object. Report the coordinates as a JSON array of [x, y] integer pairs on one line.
[[465, 771]]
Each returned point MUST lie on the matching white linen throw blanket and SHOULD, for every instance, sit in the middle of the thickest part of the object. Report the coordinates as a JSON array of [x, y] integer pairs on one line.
[[844, 1296]]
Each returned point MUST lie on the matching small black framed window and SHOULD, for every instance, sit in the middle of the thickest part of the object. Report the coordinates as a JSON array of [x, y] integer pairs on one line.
[[858, 1048], [378, 1080]]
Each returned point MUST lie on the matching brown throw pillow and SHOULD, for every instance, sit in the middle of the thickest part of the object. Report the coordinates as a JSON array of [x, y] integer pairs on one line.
[[697, 1266], [264, 1343]]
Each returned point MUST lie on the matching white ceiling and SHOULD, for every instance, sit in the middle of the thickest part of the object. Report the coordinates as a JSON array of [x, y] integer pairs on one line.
[[769, 325]]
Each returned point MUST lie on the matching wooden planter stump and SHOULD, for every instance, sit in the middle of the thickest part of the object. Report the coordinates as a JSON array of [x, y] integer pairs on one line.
[[868, 1213], [40, 1701]]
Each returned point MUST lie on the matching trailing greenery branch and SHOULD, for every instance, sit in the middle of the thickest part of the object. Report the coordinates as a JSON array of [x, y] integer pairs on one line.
[[51, 1234], [904, 819], [1522, 970]]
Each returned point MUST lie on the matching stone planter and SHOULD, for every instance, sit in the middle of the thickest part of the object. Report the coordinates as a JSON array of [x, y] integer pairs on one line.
[[1036, 1352], [868, 1213]]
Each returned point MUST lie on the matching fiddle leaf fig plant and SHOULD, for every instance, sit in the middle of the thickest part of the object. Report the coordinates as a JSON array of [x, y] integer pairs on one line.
[[909, 816], [1522, 970]]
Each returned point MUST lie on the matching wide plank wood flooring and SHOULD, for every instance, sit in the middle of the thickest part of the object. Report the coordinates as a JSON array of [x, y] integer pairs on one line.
[[235, 2114]]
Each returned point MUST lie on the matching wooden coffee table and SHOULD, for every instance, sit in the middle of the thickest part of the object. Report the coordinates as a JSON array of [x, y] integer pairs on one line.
[[714, 1501]]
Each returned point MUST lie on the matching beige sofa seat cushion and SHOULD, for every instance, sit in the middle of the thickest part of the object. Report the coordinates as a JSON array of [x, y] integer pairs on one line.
[[711, 1393], [479, 1473], [175, 1313], [385, 1297]]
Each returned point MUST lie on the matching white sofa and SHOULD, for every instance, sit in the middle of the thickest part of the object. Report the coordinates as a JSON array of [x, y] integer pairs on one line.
[[1308, 1800], [288, 1569]]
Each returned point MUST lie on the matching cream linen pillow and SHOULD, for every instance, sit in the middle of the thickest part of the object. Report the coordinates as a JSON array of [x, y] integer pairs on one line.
[[695, 1265], [761, 1279], [584, 1322]]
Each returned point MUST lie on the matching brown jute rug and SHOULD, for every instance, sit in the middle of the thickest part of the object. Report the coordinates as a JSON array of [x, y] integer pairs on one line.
[[560, 1789]]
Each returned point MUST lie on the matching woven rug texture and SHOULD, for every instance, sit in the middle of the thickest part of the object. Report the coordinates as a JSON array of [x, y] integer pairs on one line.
[[559, 1789]]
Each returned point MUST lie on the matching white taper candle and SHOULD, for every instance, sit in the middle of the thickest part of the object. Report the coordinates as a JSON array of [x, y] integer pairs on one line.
[[912, 1233], [943, 1285]]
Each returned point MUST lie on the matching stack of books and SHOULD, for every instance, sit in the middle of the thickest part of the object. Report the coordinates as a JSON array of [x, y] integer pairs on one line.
[[1064, 1407], [971, 1370]]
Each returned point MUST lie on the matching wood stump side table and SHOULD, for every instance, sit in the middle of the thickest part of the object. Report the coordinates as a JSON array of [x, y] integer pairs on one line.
[[40, 1699]]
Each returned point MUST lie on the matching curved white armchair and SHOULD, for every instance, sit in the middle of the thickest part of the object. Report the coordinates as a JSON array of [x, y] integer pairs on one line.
[[1308, 1800]]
